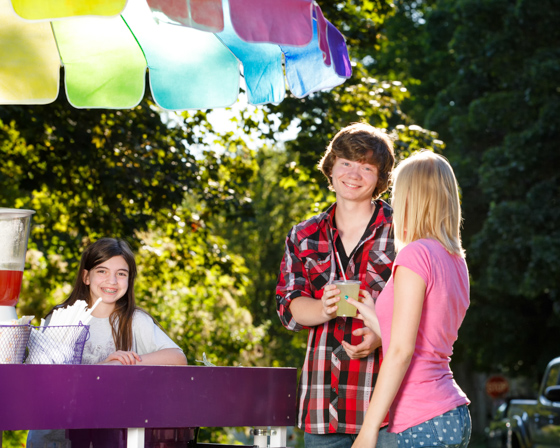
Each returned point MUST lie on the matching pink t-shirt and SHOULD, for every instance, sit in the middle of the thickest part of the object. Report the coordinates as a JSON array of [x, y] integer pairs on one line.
[[428, 388]]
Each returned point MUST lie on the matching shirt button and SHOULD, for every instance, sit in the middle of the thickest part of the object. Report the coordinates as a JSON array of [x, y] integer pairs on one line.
[[333, 389], [340, 327]]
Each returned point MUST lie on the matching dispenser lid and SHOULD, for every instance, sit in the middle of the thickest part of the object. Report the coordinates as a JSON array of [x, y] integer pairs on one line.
[[9, 213]]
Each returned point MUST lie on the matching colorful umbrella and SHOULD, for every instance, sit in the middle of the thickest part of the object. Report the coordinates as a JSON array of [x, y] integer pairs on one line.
[[196, 51]]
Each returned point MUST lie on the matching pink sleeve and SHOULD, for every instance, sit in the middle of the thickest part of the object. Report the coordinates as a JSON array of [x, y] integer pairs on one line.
[[416, 257]]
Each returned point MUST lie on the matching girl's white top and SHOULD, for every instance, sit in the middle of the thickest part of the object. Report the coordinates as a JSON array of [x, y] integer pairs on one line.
[[147, 337]]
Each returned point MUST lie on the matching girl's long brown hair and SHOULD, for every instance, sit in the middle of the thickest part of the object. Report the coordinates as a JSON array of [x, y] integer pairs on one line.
[[121, 318]]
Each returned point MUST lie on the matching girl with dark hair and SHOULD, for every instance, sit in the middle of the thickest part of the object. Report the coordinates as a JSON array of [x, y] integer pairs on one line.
[[120, 332]]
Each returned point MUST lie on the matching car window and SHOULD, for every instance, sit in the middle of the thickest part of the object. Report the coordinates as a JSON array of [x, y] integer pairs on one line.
[[501, 411], [553, 378]]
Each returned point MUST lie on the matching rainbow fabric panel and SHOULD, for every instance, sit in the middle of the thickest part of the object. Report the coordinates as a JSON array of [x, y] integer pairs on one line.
[[195, 54], [55, 9]]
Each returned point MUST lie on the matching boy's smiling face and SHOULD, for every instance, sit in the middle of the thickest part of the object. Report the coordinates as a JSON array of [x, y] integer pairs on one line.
[[354, 181]]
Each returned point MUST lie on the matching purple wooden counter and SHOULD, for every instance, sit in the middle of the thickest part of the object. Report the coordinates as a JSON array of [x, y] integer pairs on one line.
[[80, 396]]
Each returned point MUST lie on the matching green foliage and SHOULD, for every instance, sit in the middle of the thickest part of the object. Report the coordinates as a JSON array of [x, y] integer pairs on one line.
[[14, 439], [87, 174], [194, 288], [514, 105], [281, 194], [362, 98], [485, 78], [360, 22], [126, 174]]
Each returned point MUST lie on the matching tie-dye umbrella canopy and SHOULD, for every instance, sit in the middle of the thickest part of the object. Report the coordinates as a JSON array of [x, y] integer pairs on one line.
[[196, 51]]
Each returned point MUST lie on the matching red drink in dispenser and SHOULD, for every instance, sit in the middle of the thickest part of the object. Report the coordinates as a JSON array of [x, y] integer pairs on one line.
[[10, 286], [14, 232]]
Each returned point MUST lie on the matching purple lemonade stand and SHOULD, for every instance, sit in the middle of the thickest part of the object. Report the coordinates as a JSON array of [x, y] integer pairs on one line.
[[128, 400], [139, 397]]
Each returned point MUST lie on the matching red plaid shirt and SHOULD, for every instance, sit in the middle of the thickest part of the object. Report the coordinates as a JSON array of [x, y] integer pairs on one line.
[[334, 390]]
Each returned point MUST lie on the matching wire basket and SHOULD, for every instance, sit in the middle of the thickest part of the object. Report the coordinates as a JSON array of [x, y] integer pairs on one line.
[[13, 340], [57, 344]]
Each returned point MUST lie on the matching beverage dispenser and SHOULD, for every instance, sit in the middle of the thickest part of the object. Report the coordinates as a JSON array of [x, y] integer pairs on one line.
[[14, 233]]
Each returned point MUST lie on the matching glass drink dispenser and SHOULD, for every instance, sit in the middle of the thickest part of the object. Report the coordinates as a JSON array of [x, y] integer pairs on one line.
[[14, 233]]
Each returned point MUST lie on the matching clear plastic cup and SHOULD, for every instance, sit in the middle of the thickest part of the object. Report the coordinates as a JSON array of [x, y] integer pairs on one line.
[[348, 288]]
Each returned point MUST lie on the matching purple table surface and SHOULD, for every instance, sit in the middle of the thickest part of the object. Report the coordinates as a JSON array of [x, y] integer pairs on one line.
[[80, 396]]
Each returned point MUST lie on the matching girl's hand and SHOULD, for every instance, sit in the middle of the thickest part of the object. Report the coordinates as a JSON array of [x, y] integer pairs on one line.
[[125, 358], [364, 440], [367, 311], [329, 299]]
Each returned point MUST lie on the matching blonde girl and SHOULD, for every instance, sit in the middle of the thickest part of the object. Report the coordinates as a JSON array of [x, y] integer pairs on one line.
[[419, 313]]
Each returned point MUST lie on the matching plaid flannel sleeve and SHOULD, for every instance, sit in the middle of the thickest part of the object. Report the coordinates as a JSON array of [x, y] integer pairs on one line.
[[292, 282]]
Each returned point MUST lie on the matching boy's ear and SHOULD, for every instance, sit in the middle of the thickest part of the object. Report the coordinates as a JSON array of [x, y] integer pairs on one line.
[[86, 277]]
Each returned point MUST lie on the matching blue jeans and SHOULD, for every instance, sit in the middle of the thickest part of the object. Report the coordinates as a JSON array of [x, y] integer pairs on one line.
[[452, 429], [385, 440]]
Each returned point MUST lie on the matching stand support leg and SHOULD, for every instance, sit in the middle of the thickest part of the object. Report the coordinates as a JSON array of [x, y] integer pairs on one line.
[[278, 436], [260, 436], [135, 437]]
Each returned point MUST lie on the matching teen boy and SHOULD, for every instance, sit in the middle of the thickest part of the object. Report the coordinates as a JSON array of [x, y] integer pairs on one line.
[[343, 356]]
